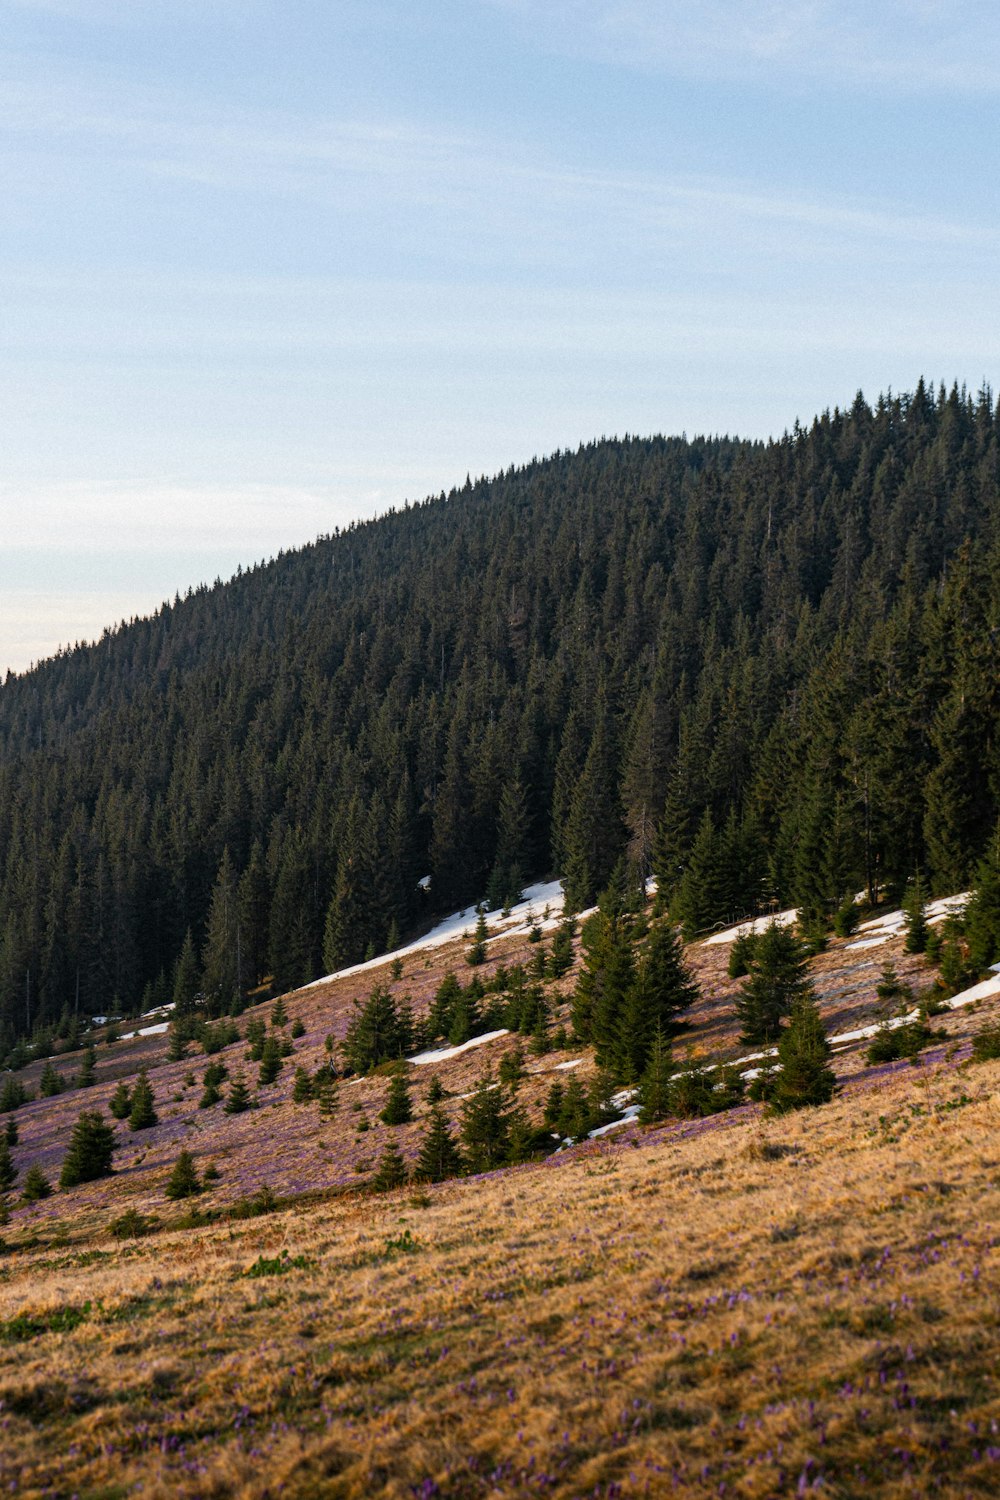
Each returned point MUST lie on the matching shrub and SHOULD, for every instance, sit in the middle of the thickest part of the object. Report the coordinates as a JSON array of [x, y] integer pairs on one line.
[[131, 1225], [51, 1082], [238, 1098], [298, 1029], [391, 1172], [91, 1149], [986, 1045], [261, 1202], [398, 1109]]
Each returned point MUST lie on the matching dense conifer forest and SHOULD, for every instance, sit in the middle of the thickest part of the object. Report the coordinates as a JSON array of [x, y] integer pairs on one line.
[[767, 673]]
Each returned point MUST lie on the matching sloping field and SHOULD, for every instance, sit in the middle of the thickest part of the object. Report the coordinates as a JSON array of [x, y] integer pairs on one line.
[[723, 1307]]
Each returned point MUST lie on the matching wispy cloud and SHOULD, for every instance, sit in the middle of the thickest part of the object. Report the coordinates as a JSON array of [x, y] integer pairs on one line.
[[904, 44]]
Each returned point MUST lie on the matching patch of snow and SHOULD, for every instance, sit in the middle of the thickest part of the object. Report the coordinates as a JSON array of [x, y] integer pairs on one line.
[[157, 1030], [565, 1067], [981, 991], [99, 1020], [869, 942], [158, 1010], [631, 1113], [758, 924], [424, 883], [548, 893], [444, 1054]]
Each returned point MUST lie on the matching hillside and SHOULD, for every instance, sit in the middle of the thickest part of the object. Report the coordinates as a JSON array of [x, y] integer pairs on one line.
[[795, 1305], [767, 673]]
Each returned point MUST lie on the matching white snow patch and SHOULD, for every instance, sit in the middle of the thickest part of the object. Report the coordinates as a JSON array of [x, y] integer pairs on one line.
[[893, 922], [424, 882], [444, 1054], [869, 942], [565, 1067], [99, 1020], [631, 1113], [157, 1030], [981, 991], [548, 894], [759, 924]]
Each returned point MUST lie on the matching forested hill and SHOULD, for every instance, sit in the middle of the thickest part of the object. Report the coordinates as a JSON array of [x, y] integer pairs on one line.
[[765, 671]]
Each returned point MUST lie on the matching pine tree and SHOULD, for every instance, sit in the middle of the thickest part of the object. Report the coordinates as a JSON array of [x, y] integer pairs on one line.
[[805, 1077], [777, 978], [10, 1131], [398, 1109], [51, 1082], [221, 978], [302, 1089], [85, 1079], [377, 1032], [325, 1091], [238, 1098], [654, 1085], [982, 915], [439, 1156], [435, 1091], [120, 1103], [91, 1149], [477, 953], [187, 979], [485, 1125], [36, 1185], [143, 1112], [914, 903], [391, 1172], [184, 1180], [270, 1061], [211, 1079], [8, 1171], [279, 1015]]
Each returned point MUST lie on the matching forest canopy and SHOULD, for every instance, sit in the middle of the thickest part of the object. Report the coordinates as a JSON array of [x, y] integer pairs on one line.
[[765, 672]]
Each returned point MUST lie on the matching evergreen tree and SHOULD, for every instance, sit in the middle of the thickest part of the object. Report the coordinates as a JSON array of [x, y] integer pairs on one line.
[[777, 978], [85, 1079], [803, 1052], [36, 1185], [187, 979], [222, 958], [91, 1149], [211, 1079], [279, 1015], [10, 1131], [120, 1103], [51, 1082], [184, 1181], [143, 1112], [8, 1171], [12, 1095], [914, 903], [439, 1156], [325, 1091], [654, 1085], [435, 1092], [391, 1172], [486, 1125], [377, 1032], [238, 1098], [477, 953], [270, 1062], [398, 1109], [982, 915], [302, 1089]]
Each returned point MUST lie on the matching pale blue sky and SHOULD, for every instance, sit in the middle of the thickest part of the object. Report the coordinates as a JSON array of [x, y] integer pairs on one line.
[[266, 267]]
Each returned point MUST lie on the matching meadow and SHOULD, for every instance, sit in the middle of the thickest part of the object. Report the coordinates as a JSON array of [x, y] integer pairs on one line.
[[735, 1306]]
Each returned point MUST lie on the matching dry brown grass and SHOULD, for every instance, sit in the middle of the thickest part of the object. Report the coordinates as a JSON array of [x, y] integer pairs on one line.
[[765, 1306], [740, 1306]]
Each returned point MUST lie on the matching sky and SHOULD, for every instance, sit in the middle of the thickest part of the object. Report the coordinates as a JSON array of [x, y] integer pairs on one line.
[[266, 268]]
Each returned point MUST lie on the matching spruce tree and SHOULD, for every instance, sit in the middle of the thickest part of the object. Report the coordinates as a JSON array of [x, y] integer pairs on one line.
[[143, 1112], [85, 1079], [8, 1171], [485, 1125], [211, 1079], [914, 903], [36, 1185], [51, 1082], [982, 915], [120, 1103], [302, 1089], [377, 1032], [238, 1098], [270, 1061], [777, 978], [477, 953], [91, 1149], [391, 1172], [187, 979], [398, 1109], [439, 1156], [325, 1091], [221, 979], [435, 1091], [654, 1085], [184, 1181], [10, 1131], [805, 1077]]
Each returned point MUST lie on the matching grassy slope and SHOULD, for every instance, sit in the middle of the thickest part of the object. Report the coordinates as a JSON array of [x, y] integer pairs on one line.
[[759, 1305]]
